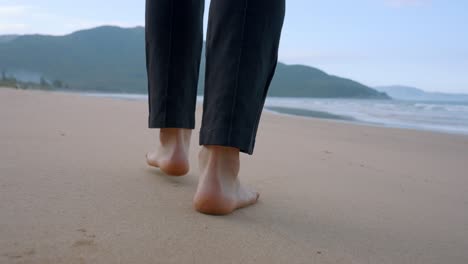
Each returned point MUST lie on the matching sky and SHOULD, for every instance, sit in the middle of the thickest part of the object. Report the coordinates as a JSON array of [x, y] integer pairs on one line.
[[420, 43]]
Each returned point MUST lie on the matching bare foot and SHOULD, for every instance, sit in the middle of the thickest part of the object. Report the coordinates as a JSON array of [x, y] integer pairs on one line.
[[171, 154], [219, 190]]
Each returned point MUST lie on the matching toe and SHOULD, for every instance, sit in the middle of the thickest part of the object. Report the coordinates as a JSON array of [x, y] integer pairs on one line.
[[249, 198]]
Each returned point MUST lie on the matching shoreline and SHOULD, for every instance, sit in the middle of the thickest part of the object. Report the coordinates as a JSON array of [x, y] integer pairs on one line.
[[277, 110]]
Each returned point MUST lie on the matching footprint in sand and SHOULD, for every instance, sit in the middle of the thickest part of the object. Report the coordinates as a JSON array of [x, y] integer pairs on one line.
[[83, 242], [87, 241], [18, 255]]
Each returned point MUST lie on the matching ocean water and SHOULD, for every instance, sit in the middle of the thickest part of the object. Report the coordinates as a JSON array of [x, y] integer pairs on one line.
[[449, 117]]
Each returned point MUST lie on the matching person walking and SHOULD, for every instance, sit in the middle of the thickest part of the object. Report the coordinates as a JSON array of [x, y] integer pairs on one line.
[[241, 56]]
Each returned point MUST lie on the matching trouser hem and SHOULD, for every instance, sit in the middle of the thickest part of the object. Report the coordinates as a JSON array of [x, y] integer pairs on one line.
[[242, 139], [158, 122]]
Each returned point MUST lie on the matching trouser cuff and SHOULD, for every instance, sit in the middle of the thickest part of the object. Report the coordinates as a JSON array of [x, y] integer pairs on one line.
[[243, 139], [161, 122]]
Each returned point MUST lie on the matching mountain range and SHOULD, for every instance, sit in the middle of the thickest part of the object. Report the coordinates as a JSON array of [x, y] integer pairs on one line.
[[6, 38], [112, 59], [415, 94]]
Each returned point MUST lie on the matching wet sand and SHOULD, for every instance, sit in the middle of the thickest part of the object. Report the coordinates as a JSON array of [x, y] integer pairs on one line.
[[74, 188]]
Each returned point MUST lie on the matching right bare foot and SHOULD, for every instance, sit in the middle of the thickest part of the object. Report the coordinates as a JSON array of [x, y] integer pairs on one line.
[[219, 190], [171, 155]]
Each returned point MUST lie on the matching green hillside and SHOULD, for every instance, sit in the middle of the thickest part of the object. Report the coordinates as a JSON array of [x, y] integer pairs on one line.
[[112, 59], [305, 81]]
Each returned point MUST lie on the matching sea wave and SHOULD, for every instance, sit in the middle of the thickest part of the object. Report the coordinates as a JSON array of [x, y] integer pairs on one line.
[[437, 116], [451, 117]]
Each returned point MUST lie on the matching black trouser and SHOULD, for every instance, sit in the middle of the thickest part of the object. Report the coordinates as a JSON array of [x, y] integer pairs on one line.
[[241, 56]]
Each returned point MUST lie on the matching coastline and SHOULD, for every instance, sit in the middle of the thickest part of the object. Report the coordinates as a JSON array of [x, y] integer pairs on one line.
[[306, 113], [341, 113], [74, 188]]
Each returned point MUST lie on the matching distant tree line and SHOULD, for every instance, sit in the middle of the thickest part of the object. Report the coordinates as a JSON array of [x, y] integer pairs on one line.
[[44, 84]]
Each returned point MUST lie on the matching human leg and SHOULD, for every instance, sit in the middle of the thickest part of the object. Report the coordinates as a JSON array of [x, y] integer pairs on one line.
[[241, 57], [174, 38]]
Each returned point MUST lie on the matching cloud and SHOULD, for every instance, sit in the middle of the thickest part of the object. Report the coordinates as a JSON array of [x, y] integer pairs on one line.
[[406, 3], [7, 28], [13, 10], [12, 18], [26, 19]]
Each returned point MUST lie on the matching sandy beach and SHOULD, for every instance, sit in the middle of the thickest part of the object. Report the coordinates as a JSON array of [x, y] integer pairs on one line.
[[75, 188]]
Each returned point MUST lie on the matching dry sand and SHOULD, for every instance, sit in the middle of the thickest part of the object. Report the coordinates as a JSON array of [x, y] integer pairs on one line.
[[74, 188]]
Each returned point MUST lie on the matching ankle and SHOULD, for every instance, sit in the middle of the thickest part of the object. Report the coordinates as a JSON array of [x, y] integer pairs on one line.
[[174, 136], [220, 152], [219, 162]]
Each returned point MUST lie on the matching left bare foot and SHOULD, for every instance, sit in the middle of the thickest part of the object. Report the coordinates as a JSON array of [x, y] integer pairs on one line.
[[171, 155]]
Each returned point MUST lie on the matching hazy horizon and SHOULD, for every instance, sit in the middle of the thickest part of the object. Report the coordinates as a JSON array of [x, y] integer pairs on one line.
[[415, 43]]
